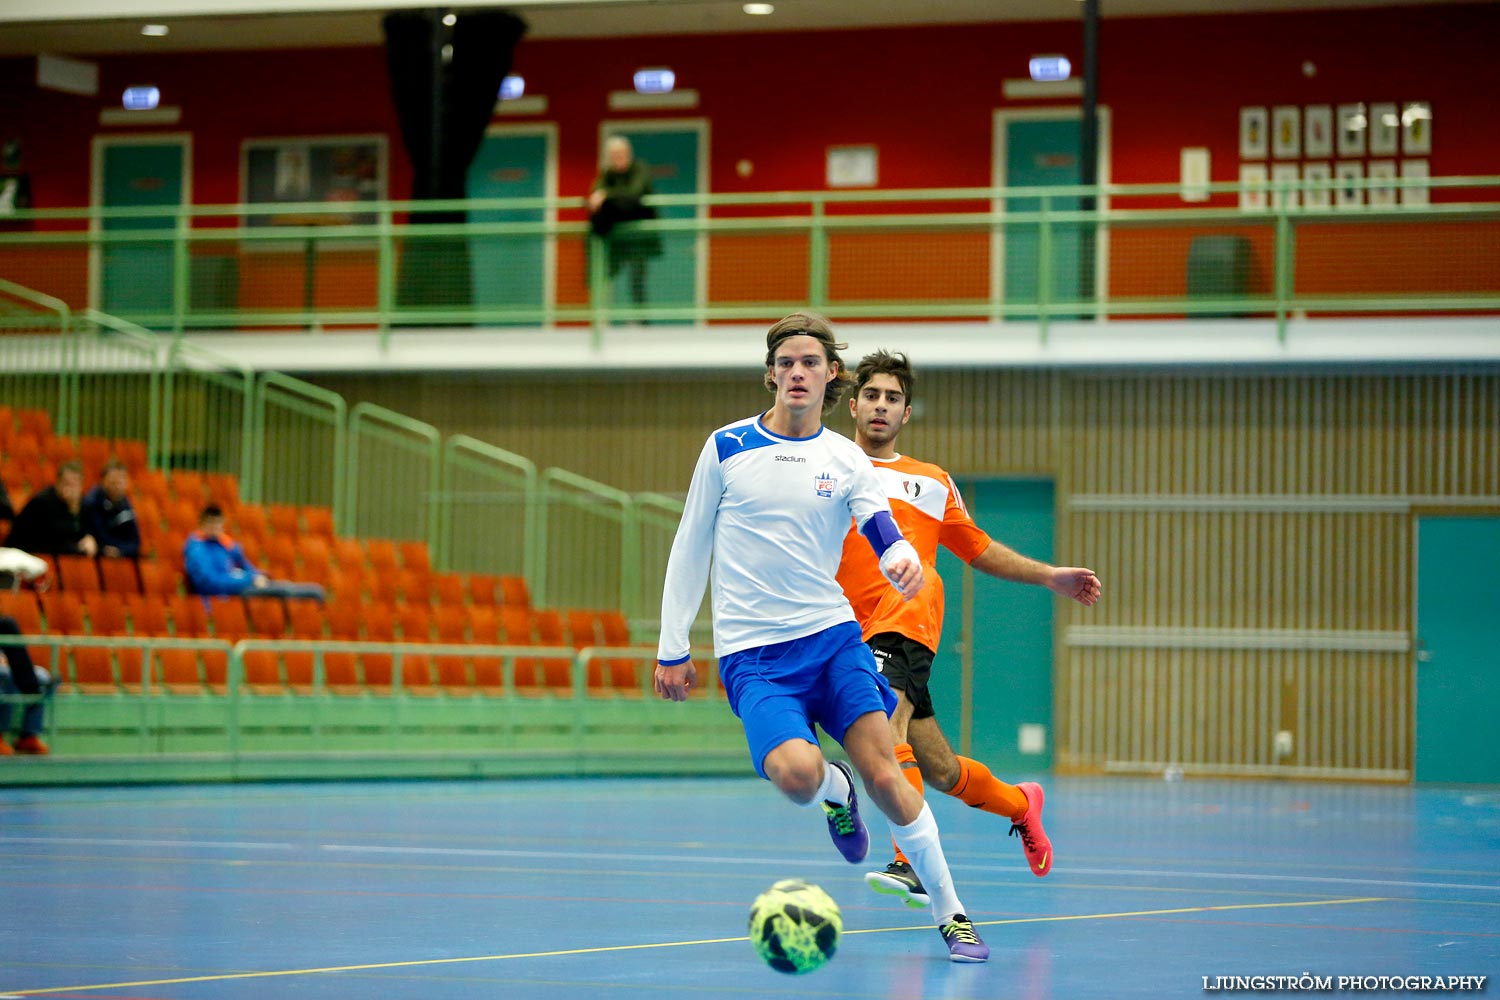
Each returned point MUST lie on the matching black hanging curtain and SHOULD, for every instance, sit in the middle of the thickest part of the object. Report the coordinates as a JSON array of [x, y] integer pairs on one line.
[[445, 80]]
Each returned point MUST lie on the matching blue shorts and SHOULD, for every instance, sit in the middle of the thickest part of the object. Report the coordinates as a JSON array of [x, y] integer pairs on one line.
[[780, 691]]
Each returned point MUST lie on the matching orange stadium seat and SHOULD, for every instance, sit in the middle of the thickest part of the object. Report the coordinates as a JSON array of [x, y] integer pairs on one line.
[[178, 670], [318, 521], [267, 617], [22, 606], [94, 670], [514, 592], [63, 612], [78, 573], [148, 614], [483, 588], [379, 626], [414, 555], [381, 554], [189, 487], [448, 588], [119, 576], [223, 489], [250, 521], [159, 578], [106, 613], [284, 519], [133, 454]]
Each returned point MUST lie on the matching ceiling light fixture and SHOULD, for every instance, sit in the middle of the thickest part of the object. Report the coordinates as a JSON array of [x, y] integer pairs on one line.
[[155, 30], [759, 8], [450, 19]]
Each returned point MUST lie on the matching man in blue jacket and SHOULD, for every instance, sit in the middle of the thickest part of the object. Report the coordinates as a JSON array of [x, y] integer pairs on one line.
[[108, 515], [216, 565]]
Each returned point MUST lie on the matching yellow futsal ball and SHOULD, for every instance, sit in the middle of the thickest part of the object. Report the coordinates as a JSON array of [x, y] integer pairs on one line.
[[795, 926]]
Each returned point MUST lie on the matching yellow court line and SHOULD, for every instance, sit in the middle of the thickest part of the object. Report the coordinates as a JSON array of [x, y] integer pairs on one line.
[[665, 944]]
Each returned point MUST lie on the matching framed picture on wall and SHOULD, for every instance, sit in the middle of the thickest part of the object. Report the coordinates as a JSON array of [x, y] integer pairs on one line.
[[1382, 195], [1284, 178], [853, 166], [1349, 194], [1416, 127], [1414, 195], [340, 172], [1317, 192], [1253, 180], [1253, 128], [1385, 129], [1353, 125], [1286, 132], [1317, 130]]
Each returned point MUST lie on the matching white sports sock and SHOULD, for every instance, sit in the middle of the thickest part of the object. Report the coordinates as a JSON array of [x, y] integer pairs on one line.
[[919, 841], [835, 787]]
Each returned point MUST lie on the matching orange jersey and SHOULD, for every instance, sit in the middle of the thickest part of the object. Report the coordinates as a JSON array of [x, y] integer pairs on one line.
[[930, 513]]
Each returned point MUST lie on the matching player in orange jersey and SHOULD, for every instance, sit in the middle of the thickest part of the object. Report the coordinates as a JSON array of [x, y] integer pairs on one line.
[[904, 634]]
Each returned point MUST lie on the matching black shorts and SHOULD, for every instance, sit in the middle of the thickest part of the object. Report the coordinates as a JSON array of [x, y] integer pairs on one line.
[[906, 665]]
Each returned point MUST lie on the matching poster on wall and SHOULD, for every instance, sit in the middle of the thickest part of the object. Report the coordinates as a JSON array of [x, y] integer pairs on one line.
[[1253, 180], [1350, 194], [1416, 127], [1284, 178], [853, 166], [1318, 192], [1382, 195], [1317, 129], [1286, 132], [1352, 128], [327, 169], [1414, 195], [1253, 129], [1385, 129]]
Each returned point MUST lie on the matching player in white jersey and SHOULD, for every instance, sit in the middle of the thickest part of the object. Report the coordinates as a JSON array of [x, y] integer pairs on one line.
[[770, 502]]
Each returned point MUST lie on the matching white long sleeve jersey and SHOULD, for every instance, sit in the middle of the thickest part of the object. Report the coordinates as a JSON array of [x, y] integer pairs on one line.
[[772, 513]]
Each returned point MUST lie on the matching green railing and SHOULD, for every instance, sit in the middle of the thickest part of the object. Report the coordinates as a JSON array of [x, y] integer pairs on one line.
[[490, 510], [253, 706], [395, 475], [589, 554], [985, 254], [479, 508], [300, 440]]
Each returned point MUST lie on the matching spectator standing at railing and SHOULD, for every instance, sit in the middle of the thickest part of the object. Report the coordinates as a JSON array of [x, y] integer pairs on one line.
[[108, 515], [18, 675], [52, 521], [616, 197], [217, 565]]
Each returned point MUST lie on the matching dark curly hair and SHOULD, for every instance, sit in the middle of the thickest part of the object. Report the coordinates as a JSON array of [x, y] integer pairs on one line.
[[886, 363]]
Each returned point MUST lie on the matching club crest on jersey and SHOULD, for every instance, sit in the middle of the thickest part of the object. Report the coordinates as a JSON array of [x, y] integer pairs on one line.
[[825, 485], [912, 488]]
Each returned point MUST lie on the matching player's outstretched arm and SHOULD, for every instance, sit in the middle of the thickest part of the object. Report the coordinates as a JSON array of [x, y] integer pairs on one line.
[[1072, 582], [673, 683]]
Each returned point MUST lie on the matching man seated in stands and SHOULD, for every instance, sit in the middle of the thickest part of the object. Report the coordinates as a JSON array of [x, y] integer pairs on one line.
[[19, 676], [51, 522], [108, 515], [216, 565]]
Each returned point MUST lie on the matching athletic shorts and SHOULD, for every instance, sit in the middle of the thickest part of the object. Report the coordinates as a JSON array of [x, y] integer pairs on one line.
[[907, 665], [780, 691]]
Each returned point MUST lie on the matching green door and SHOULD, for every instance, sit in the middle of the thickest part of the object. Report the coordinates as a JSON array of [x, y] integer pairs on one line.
[[1458, 651], [1042, 153], [992, 680], [511, 276], [672, 152], [135, 277]]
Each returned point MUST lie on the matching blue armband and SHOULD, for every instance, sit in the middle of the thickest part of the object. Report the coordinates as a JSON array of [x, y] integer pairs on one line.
[[881, 531], [674, 663]]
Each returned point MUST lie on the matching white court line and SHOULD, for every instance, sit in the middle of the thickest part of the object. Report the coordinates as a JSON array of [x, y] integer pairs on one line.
[[779, 862], [122, 842]]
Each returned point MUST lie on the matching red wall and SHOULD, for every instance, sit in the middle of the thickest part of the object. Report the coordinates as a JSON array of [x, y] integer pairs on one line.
[[924, 95]]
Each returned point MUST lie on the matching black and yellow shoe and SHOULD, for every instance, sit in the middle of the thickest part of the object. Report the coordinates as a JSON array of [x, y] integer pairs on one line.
[[897, 879]]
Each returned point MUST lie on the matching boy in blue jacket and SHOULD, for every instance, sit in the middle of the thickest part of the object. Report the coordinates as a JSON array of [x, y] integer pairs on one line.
[[217, 565]]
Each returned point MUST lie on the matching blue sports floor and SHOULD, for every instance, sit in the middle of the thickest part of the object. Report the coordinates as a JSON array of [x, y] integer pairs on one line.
[[640, 888]]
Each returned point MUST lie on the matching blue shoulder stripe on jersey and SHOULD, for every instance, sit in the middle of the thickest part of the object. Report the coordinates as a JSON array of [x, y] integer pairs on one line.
[[731, 442], [673, 663], [880, 528]]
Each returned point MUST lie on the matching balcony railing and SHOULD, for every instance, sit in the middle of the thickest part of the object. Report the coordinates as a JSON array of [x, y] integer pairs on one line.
[[1020, 255]]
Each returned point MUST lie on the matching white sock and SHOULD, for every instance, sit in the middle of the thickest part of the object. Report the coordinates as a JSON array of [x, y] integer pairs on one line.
[[835, 787], [919, 841]]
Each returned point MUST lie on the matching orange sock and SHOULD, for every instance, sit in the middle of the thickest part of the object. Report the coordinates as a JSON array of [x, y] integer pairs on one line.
[[979, 788], [913, 774]]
